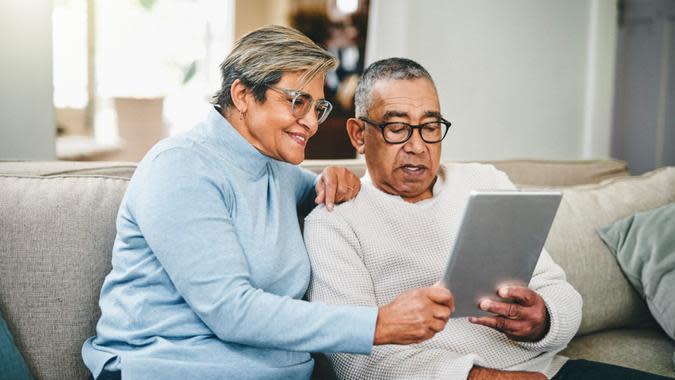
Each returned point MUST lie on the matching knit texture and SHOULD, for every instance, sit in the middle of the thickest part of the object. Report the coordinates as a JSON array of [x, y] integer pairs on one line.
[[368, 251]]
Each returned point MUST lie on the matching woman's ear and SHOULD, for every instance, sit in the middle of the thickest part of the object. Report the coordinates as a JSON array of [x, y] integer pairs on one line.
[[356, 130], [239, 93]]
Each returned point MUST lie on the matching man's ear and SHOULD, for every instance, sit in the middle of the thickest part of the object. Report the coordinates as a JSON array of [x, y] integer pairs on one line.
[[239, 94], [356, 130]]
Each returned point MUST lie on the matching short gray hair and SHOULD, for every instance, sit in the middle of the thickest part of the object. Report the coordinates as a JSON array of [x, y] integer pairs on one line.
[[261, 57], [390, 68]]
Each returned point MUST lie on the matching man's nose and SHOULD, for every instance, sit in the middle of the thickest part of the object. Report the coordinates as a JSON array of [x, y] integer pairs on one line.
[[415, 144]]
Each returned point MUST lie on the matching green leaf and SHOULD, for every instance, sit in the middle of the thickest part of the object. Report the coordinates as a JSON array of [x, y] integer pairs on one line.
[[147, 4], [189, 72]]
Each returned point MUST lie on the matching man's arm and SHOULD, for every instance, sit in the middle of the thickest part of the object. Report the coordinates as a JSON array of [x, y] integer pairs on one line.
[[562, 302], [480, 373], [563, 305], [339, 276], [544, 316]]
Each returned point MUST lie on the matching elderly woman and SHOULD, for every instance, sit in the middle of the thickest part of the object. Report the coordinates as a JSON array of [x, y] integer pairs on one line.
[[209, 265]]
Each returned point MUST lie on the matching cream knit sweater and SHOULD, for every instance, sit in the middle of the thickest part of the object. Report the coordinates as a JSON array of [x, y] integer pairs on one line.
[[373, 248]]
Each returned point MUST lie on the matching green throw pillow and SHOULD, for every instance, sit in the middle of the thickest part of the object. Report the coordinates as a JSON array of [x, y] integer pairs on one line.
[[12, 366], [644, 246]]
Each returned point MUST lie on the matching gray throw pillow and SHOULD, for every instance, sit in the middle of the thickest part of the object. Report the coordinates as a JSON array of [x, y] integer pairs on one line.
[[644, 246]]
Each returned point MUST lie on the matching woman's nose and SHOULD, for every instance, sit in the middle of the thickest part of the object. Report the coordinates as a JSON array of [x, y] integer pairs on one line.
[[310, 121]]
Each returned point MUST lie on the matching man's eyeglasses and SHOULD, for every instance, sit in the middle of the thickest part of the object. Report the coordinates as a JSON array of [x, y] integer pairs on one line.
[[397, 132], [302, 102]]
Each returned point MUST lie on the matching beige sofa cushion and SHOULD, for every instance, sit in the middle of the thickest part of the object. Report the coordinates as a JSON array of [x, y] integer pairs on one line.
[[609, 299], [645, 349], [57, 235], [552, 173]]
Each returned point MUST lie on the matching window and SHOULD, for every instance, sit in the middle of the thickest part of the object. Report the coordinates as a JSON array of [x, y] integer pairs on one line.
[[159, 58]]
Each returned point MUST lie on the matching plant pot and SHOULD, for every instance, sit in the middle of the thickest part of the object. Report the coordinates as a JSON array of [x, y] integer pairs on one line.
[[140, 125]]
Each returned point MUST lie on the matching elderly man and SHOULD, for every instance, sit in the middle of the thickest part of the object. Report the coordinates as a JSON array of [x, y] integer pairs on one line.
[[397, 234]]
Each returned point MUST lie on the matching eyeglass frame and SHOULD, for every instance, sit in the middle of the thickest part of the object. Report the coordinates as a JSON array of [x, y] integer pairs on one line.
[[294, 94], [411, 129]]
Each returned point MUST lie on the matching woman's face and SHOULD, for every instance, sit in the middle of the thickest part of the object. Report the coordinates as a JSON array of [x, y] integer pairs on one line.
[[271, 127]]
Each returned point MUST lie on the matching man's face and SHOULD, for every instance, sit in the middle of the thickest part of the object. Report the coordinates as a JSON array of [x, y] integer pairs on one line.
[[407, 169]]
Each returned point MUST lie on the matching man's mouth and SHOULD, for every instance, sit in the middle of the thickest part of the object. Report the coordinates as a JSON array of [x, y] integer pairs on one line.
[[413, 169], [299, 138]]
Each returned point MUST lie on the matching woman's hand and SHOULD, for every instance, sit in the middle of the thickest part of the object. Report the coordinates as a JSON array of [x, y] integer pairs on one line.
[[414, 316], [336, 185]]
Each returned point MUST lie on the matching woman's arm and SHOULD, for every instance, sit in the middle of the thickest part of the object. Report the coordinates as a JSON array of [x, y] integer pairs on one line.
[[185, 217]]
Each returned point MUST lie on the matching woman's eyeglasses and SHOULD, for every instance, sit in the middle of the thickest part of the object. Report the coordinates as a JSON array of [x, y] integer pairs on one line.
[[302, 102]]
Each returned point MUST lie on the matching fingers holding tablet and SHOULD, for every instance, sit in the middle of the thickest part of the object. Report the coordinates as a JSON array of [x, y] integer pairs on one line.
[[519, 294], [524, 319]]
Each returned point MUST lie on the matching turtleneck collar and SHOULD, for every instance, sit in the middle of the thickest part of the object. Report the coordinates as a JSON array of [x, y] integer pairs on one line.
[[227, 139]]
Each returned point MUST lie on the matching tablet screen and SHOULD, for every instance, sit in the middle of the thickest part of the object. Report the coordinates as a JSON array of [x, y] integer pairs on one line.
[[499, 242]]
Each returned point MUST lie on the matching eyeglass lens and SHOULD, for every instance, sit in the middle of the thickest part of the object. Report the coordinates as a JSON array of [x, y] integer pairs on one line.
[[399, 132], [302, 102]]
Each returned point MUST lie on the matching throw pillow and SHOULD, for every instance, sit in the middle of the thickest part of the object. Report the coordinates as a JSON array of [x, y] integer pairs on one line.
[[12, 365], [644, 246], [610, 301]]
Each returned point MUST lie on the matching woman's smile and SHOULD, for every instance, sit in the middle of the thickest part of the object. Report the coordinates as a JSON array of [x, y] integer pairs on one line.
[[299, 138]]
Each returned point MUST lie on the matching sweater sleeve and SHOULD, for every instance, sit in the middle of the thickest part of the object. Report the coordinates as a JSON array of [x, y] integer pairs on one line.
[[184, 215], [339, 276], [563, 304]]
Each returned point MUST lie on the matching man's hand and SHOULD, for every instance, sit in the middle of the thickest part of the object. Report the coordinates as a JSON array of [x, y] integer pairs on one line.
[[414, 316], [480, 373], [524, 320], [336, 185]]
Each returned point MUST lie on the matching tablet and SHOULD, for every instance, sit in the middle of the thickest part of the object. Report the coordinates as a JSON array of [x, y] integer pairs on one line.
[[499, 242]]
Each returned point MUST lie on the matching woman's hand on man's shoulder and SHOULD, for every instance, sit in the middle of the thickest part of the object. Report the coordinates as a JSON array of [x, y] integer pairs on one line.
[[336, 185]]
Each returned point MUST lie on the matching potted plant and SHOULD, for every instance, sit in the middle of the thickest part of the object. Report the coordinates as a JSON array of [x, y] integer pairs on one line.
[[142, 68]]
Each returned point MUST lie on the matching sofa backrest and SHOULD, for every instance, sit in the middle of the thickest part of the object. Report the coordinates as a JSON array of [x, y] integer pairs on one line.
[[524, 173], [57, 234], [57, 226], [547, 173], [68, 168]]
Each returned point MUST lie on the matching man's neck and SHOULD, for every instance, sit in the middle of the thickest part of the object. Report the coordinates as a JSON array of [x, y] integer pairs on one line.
[[429, 193]]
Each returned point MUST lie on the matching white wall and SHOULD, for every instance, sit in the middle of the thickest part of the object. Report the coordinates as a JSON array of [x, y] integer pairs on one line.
[[517, 78], [27, 127]]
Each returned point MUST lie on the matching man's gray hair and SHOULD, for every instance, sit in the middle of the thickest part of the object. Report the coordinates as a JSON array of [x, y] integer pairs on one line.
[[385, 69]]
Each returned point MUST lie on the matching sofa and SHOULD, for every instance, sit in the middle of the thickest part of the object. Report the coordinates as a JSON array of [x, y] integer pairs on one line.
[[57, 225]]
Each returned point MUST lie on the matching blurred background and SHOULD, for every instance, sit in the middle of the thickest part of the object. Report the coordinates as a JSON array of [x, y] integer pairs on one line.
[[539, 79]]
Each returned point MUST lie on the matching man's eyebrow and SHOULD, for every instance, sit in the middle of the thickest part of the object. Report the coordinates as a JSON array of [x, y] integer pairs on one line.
[[391, 114]]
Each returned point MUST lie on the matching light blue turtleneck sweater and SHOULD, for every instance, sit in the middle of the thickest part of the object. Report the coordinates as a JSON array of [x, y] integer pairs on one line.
[[209, 267]]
